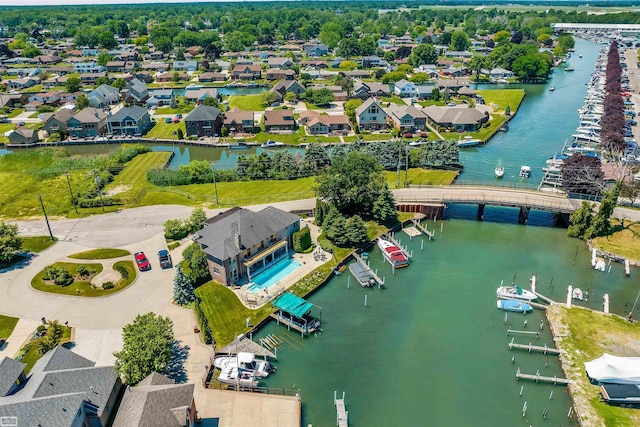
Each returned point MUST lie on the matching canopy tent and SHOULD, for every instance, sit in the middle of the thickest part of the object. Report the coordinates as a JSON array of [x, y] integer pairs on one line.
[[292, 304], [614, 369]]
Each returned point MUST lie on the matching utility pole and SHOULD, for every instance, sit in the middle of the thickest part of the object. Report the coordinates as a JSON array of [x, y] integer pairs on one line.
[[406, 166], [399, 158], [46, 219], [97, 180], [73, 199], [215, 186]]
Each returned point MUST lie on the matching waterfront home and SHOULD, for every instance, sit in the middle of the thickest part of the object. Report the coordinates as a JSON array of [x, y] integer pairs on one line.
[[103, 96], [185, 65], [210, 77], [57, 122], [283, 86], [158, 67], [460, 118], [246, 72], [160, 97], [281, 63], [405, 89], [500, 73], [157, 400], [203, 121], [129, 121], [452, 84], [240, 242], [407, 118], [89, 122], [62, 389], [199, 95], [279, 74], [239, 121], [135, 92], [279, 121], [322, 124], [371, 116], [23, 135]]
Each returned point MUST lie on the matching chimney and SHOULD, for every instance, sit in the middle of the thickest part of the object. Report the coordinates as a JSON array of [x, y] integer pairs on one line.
[[237, 240], [95, 113]]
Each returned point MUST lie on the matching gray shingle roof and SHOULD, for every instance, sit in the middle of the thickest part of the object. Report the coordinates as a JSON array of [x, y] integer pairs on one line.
[[135, 112], [61, 358], [461, 115], [58, 411], [10, 370], [161, 405], [203, 113], [217, 237]]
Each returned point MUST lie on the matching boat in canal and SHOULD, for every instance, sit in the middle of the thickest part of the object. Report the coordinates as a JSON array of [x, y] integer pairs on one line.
[[513, 305], [577, 294], [362, 275], [468, 141], [392, 253], [515, 292], [569, 69], [244, 361], [272, 144], [525, 171], [238, 146], [237, 377], [552, 88], [499, 171]]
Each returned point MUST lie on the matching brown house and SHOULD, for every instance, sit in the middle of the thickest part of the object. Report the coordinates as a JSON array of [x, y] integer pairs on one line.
[[279, 120], [246, 72], [239, 121], [203, 121]]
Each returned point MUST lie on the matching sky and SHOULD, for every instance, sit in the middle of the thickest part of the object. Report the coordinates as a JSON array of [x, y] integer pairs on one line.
[[94, 2]]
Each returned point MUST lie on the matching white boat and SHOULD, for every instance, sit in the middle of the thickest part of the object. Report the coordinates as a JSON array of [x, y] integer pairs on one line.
[[418, 143], [576, 147], [193, 86], [392, 253], [469, 141], [552, 88], [499, 171], [577, 294], [362, 275], [515, 292], [244, 361], [525, 171], [237, 377], [272, 144], [513, 305]]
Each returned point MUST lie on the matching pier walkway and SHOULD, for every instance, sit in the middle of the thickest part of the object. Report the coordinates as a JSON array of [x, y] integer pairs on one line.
[[530, 347], [422, 228], [342, 416], [542, 379], [359, 260]]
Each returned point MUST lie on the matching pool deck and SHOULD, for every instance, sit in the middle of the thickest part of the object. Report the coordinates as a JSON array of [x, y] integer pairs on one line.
[[309, 262]]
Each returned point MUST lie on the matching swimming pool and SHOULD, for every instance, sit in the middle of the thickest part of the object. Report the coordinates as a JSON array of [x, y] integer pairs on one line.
[[273, 274]]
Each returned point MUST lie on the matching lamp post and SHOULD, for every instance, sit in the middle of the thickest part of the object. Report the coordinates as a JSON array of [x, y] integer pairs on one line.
[[97, 180]]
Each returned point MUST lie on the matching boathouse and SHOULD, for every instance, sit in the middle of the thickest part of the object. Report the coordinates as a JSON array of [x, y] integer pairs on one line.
[[293, 312]]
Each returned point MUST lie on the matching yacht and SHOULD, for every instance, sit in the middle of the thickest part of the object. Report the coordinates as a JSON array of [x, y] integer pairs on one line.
[[392, 253], [499, 171], [468, 141], [272, 144], [246, 362], [515, 292]]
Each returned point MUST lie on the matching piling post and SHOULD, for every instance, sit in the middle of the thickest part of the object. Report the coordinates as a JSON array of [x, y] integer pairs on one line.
[[551, 395], [422, 244], [441, 227], [524, 408], [348, 281], [569, 292], [606, 303], [521, 390], [365, 300], [533, 283]]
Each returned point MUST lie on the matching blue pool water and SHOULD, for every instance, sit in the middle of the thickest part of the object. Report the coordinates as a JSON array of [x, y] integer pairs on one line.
[[274, 274]]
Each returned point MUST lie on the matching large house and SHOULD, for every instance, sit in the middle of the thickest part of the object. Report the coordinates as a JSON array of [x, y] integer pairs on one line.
[[279, 120], [282, 87], [371, 116], [407, 118], [203, 121], [63, 389], [185, 65], [319, 124], [239, 121], [23, 135], [247, 72], [103, 96], [89, 122], [136, 92], [57, 122], [239, 242], [129, 121], [458, 119], [405, 89]]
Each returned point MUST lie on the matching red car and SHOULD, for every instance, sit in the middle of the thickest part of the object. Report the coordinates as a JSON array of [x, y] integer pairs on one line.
[[142, 261]]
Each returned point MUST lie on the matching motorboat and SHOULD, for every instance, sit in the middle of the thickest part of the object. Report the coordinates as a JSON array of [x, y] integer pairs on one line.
[[552, 88], [504, 127], [392, 253], [525, 171], [238, 146], [513, 305], [237, 377], [577, 294], [469, 141], [569, 69], [362, 275], [515, 292], [576, 147], [246, 362], [272, 144], [499, 171], [418, 143]]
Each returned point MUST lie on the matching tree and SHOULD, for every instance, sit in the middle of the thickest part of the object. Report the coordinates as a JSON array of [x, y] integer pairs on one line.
[[175, 229], [349, 47], [290, 97], [197, 260], [419, 78], [82, 102], [403, 52], [196, 220], [146, 347], [104, 80], [119, 83], [10, 243], [348, 65], [516, 37], [530, 66], [501, 37], [52, 337], [566, 42], [322, 96], [423, 54], [394, 76], [601, 224], [582, 174], [269, 98], [183, 292], [211, 101], [106, 40], [580, 220], [331, 33], [545, 39], [103, 58], [350, 108], [476, 64], [73, 84], [302, 240], [459, 41]]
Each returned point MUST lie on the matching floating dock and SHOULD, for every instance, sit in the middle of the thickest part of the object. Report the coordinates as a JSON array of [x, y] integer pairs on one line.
[[419, 226], [342, 415], [542, 379], [373, 274], [530, 347]]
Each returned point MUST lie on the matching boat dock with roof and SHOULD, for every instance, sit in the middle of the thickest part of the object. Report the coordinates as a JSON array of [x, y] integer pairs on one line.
[[293, 311]]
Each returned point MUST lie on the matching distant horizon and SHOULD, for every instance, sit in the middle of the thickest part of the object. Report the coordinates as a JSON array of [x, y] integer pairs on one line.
[[136, 2]]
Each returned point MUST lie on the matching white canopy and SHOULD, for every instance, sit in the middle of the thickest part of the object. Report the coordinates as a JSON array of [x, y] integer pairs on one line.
[[614, 369]]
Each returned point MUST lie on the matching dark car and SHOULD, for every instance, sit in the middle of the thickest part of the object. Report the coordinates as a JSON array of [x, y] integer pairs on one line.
[[142, 261], [165, 259]]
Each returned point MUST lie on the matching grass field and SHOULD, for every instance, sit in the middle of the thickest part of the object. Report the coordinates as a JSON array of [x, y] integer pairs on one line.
[[623, 241], [247, 102], [503, 97], [30, 352], [37, 243], [163, 130], [419, 176], [6, 326], [588, 335], [183, 109], [134, 176], [104, 253]]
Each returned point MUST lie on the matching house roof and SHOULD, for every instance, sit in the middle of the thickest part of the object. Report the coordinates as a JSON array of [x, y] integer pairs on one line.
[[237, 116], [199, 94], [50, 411], [155, 403], [366, 104], [10, 370], [278, 117], [217, 237], [62, 115], [25, 132], [135, 112], [203, 113], [90, 115], [400, 111], [459, 115], [466, 91]]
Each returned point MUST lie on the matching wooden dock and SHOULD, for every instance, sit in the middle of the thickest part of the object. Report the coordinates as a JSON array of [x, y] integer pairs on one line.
[[342, 417], [411, 231], [391, 238], [537, 305], [246, 344], [543, 298], [530, 347], [422, 228], [542, 379], [378, 280]]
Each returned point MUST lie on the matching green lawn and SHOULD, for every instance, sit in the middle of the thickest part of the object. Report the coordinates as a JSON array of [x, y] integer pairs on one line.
[[394, 99], [623, 241], [503, 97], [163, 130], [30, 354], [15, 112], [182, 109], [225, 313], [419, 176], [247, 102], [6, 325], [37, 243], [104, 253], [83, 287]]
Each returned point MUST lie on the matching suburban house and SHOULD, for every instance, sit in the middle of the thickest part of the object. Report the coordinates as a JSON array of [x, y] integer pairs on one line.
[[90, 51], [63, 389], [91, 78], [136, 92], [239, 242], [366, 90], [199, 95], [87, 67], [168, 77], [279, 74], [159, 67], [319, 124], [121, 66], [45, 59], [405, 89], [54, 81], [281, 63], [49, 98], [279, 121], [247, 72], [129, 121], [103, 96], [89, 122], [313, 49], [210, 77], [9, 100], [203, 121], [57, 122], [373, 61], [453, 72], [239, 121], [371, 116], [460, 118], [157, 400], [282, 87], [185, 65], [407, 118], [23, 135], [23, 82], [500, 73], [160, 97]]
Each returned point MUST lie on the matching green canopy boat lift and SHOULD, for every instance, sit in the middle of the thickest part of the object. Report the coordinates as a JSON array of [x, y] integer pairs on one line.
[[293, 311]]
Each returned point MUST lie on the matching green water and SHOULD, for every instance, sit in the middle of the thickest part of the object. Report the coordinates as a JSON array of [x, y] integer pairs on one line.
[[431, 348]]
